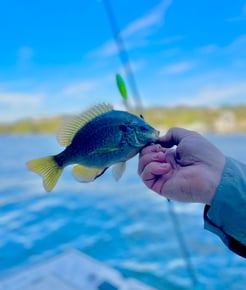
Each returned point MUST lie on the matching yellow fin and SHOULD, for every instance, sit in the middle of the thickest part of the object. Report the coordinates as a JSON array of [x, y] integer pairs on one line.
[[118, 170], [48, 169], [70, 127], [87, 174]]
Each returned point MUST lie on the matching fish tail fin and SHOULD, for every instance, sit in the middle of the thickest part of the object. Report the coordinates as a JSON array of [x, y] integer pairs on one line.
[[48, 168]]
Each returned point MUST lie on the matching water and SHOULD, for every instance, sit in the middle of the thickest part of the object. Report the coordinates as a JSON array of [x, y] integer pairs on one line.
[[122, 224]]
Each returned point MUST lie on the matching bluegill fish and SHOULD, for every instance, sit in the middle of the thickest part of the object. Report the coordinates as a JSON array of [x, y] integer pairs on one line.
[[93, 141]]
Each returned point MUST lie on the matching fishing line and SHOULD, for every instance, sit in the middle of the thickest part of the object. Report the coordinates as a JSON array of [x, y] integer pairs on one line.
[[124, 57], [182, 244]]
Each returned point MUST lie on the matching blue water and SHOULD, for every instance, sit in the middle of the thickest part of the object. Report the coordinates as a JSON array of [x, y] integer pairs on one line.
[[120, 223]]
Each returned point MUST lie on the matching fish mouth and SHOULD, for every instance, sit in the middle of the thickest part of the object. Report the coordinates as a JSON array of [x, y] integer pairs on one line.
[[156, 134], [150, 138], [154, 137]]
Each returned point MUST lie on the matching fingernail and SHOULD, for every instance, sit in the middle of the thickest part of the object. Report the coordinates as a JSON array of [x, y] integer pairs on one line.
[[156, 148]]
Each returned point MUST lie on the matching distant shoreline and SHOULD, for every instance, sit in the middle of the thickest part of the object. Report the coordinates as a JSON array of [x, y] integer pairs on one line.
[[224, 120]]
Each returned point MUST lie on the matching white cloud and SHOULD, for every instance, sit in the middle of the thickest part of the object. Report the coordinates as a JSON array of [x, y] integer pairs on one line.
[[178, 67], [78, 88], [172, 39], [153, 18], [240, 17], [19, 99], [234, 48], [144, 24], [25, 52], [216, 95], [24, 56], [208, 49], [237, 44], [16, 105]]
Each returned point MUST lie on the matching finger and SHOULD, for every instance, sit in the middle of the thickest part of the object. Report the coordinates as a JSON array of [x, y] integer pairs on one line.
[[171, 157], [173, 136], [147, 158], [154, 169], [152, 148]]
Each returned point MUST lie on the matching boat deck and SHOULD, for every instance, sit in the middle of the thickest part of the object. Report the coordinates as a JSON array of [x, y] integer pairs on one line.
[[72, 270]]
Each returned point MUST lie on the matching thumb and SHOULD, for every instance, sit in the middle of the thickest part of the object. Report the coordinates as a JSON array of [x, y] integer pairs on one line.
[[173, 137]]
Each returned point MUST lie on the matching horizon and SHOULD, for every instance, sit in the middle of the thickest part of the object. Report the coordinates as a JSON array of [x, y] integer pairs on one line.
[[162, 107], [58, 58]]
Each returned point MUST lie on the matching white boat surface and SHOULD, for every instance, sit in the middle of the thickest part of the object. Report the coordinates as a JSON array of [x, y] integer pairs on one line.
[[71, 270]]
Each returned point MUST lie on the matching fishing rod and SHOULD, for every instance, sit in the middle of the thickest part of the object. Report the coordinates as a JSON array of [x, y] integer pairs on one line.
[[138, 106], [123, 55], [175, 221]]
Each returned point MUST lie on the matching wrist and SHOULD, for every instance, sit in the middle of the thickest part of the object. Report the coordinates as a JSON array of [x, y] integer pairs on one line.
[[214, 178]]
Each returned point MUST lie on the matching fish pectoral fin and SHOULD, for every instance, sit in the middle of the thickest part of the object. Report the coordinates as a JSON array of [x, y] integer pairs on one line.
[[87, 174], [107, 149], [118, 170]]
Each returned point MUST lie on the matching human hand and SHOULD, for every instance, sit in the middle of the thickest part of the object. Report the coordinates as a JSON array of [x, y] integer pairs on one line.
[[191, 172]]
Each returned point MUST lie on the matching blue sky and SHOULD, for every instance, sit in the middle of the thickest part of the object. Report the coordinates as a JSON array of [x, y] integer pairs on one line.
[[59, 57]]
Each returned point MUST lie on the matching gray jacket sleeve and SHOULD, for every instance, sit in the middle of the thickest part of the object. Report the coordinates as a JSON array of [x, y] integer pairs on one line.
[[226, 217]]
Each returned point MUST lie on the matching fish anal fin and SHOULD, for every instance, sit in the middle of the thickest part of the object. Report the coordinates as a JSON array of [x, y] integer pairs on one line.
[[118, 170], [86, 174], [71, 126]]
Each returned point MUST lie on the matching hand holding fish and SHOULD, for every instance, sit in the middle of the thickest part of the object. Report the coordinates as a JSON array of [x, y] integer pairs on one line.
[[190, 172]]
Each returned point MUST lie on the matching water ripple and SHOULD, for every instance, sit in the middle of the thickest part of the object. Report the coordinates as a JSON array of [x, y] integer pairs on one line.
[[122, 224]]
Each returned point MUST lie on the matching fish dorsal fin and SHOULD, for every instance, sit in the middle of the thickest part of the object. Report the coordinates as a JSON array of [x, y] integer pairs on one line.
[[70, 127]]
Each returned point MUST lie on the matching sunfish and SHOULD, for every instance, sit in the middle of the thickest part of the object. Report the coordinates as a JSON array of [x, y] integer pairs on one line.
[[93, 141]]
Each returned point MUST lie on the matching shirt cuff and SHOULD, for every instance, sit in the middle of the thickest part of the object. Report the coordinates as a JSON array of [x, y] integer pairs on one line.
[[226, 217]]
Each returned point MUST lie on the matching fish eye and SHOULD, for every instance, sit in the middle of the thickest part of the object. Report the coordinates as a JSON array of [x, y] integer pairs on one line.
[[142, 128], [141, 116]]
